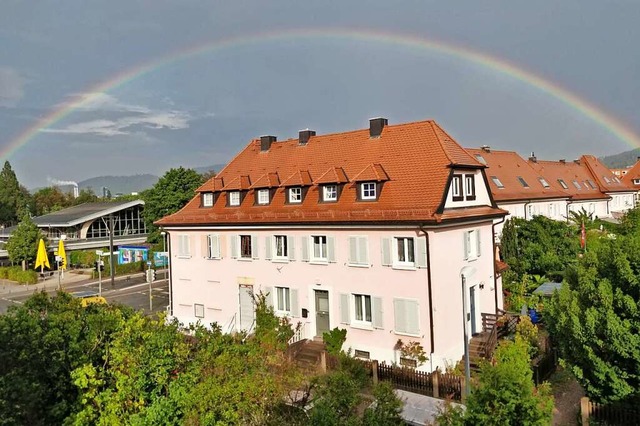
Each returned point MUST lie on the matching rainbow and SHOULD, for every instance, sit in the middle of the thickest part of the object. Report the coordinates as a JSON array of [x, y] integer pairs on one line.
[[501, 66]]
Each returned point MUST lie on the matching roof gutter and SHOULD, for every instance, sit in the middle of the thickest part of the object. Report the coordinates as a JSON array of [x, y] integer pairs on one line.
[[430, 292], [525, 209], [495, 275]]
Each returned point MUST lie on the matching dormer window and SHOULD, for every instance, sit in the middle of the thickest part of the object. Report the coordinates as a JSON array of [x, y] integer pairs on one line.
[[456, 188], [330, 193], [295, 194], [234, 198], [263, 196], [368, 191], [207, 199], [470, 187], [636, 181]]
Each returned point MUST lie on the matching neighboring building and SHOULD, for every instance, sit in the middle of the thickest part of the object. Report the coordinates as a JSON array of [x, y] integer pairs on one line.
[[622, 195], [86, 226], [368, 230], [632, 177], [620, 172]]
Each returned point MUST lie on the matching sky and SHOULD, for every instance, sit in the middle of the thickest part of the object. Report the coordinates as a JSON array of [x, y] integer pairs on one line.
[[200, 79]]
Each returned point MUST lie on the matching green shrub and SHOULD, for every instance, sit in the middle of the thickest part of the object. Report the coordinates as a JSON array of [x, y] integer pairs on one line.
[[127, 268], [27, 277], [15, 273], [334, 340]]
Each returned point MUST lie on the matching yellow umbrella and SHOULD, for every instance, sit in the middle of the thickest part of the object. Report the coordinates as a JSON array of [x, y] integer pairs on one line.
[[62, 254], [42, 259]]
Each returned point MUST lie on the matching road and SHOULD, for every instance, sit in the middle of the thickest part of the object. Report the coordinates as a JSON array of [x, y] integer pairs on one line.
[[133, 292]]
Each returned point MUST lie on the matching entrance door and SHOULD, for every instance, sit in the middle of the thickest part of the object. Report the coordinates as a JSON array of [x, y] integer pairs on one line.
[[472, 309], [247, 309], [322, 312]]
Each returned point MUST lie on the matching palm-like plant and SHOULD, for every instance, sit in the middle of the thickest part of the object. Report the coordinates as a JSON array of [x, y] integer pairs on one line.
[[581, 216]]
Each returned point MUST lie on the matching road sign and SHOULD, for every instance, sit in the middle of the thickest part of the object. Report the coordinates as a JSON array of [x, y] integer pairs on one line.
[[162, 253], [148, 263], [99, 252]]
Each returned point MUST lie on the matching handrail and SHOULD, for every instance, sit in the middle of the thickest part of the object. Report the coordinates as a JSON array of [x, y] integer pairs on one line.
[[298, 334], [231, 325]]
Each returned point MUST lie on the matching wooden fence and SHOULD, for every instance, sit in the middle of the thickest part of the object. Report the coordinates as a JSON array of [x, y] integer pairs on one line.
[[609, 414], [437, 385]]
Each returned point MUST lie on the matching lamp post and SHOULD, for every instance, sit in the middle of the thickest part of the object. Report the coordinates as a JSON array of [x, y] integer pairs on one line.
[[466, 273]]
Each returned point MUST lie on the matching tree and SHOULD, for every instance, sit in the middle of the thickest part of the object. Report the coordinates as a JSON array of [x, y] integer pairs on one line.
[[22, 245], [86, 195], [595, 319], [49, 199], [580, 217], [172, 192], [13, 198], [387, 408]]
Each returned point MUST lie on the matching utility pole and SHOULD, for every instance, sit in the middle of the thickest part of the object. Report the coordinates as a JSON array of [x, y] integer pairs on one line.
[[112, 269]]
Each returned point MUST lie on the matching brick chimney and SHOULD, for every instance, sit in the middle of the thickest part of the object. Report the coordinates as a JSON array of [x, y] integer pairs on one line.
[[376, 125], [533, 158], [305, 135], [562, 160], [265, 142], [485, 148]]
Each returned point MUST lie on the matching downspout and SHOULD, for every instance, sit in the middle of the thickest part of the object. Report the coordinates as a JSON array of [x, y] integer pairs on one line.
[[525, 209], [170, 273], [567, 216], [430, 293], [495, 275]]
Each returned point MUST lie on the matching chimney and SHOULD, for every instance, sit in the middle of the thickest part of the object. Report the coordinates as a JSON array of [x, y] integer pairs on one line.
[[265, 142], [485, 148], [305, 135], [562, 160], [376, 125], [533, 158], [577, 161]]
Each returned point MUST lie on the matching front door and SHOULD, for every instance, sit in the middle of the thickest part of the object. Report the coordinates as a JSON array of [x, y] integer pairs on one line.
[[247, 309], [472, 309], [322, 312]]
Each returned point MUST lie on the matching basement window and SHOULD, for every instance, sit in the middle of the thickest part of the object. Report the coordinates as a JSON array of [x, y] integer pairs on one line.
[[362, 354]]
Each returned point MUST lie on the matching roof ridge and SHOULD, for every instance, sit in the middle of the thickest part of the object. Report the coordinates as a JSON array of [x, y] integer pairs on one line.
[[446, 154]]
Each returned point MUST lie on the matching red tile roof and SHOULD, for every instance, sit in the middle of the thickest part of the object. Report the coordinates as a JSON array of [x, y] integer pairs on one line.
[[333, 175], [632, 174], [570, 172], [415, 158], [299, 178], [507, 166], [607, 181], [373, 172], [267, 180]]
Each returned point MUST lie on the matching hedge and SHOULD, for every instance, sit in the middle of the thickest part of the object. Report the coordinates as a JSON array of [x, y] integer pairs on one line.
[[15, 273]]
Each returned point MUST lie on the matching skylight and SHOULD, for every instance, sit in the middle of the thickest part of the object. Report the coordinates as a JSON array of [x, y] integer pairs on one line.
[[497, 181], [544, 182], [481, 159], [523, 182], [576, 184], [563, 184], [606, 179], [590, 184]]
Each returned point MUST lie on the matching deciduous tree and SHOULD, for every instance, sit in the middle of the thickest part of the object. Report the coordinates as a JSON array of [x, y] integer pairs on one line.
[[23, 242]]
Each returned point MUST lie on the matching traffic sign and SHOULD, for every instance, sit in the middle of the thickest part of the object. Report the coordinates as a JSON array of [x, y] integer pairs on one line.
[[99, 252]]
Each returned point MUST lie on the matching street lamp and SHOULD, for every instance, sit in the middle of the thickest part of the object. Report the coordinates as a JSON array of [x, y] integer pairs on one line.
[[466, 273]]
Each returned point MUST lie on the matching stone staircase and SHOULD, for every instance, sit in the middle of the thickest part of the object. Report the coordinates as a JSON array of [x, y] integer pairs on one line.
[[307, 355], [477, 350]]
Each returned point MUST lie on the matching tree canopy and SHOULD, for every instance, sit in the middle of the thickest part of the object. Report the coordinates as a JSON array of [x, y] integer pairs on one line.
[[23, 242], [14, 199]]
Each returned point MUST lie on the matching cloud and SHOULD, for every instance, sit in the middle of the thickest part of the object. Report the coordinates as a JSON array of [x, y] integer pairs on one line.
[[124, 119], [11, 87]]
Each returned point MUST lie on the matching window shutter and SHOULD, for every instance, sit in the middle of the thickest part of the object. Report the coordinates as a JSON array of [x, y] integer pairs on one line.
[[353, 250], [363, 251], [421, 255], [215, 246], [413, 319], [399, 315], [254, 247], [204, 245], [268, 247], [386, 251], [291, 247], [331, 249], [478, 241], [376, 306], [305, 249], [344, 309], [269, 296], [295, 306], [465, 238], [234, 246]]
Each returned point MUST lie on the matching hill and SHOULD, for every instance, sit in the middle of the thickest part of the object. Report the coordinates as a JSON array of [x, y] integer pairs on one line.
[[216, 168], [119, 184], [621, 160]]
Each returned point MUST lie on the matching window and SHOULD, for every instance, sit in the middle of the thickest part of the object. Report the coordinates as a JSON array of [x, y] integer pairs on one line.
[[234, 198], [245, 246], [615, 179], [199, 310], [319, 247], [213, 247], [470, 187], [563, 184], [362, 312], [472, 244], [358, 251], [636, 181], [283, 299], [184, 246], [576, 184], [330, 193], [456, 188], [523, 182], [408, 362], [481, 159], [368, 191], [295, 194], [590, 184], [497, 182], [207, 199], [405, 254], [606, 179], [361, 354], [263, 196], [544, 182], [281, 249]]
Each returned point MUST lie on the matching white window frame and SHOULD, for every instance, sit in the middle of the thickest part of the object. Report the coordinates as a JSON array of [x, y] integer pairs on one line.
[[282, 302], [198, 310], [563, 184], [184, 246], [409, 252], [322, 248], [280, 241], [472, 244], [544, 182], [211, 239], [263, 196], [330, 193], [359, 303], [295, 195], [207, 199], [469, 186], [456, 186], [234, 198], [498, 183], [368, 191]]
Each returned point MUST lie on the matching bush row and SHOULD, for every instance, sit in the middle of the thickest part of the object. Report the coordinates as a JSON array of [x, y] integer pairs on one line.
[[15, 273]]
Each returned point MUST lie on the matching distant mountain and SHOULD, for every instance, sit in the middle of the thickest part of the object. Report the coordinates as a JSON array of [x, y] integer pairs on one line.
[[622, 160], [119, 184], [216, 168]]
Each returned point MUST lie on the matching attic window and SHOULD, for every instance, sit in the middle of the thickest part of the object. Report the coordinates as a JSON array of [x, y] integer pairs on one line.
[[563, 184], [263, 196], [295, 194], [497, 182], [615, 178], [544, 182], [234, 198], [606, 179], [207, 199], [481, 159], [576, 184], [523, 182], [590, 184], [368, 191], [636, 181]]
